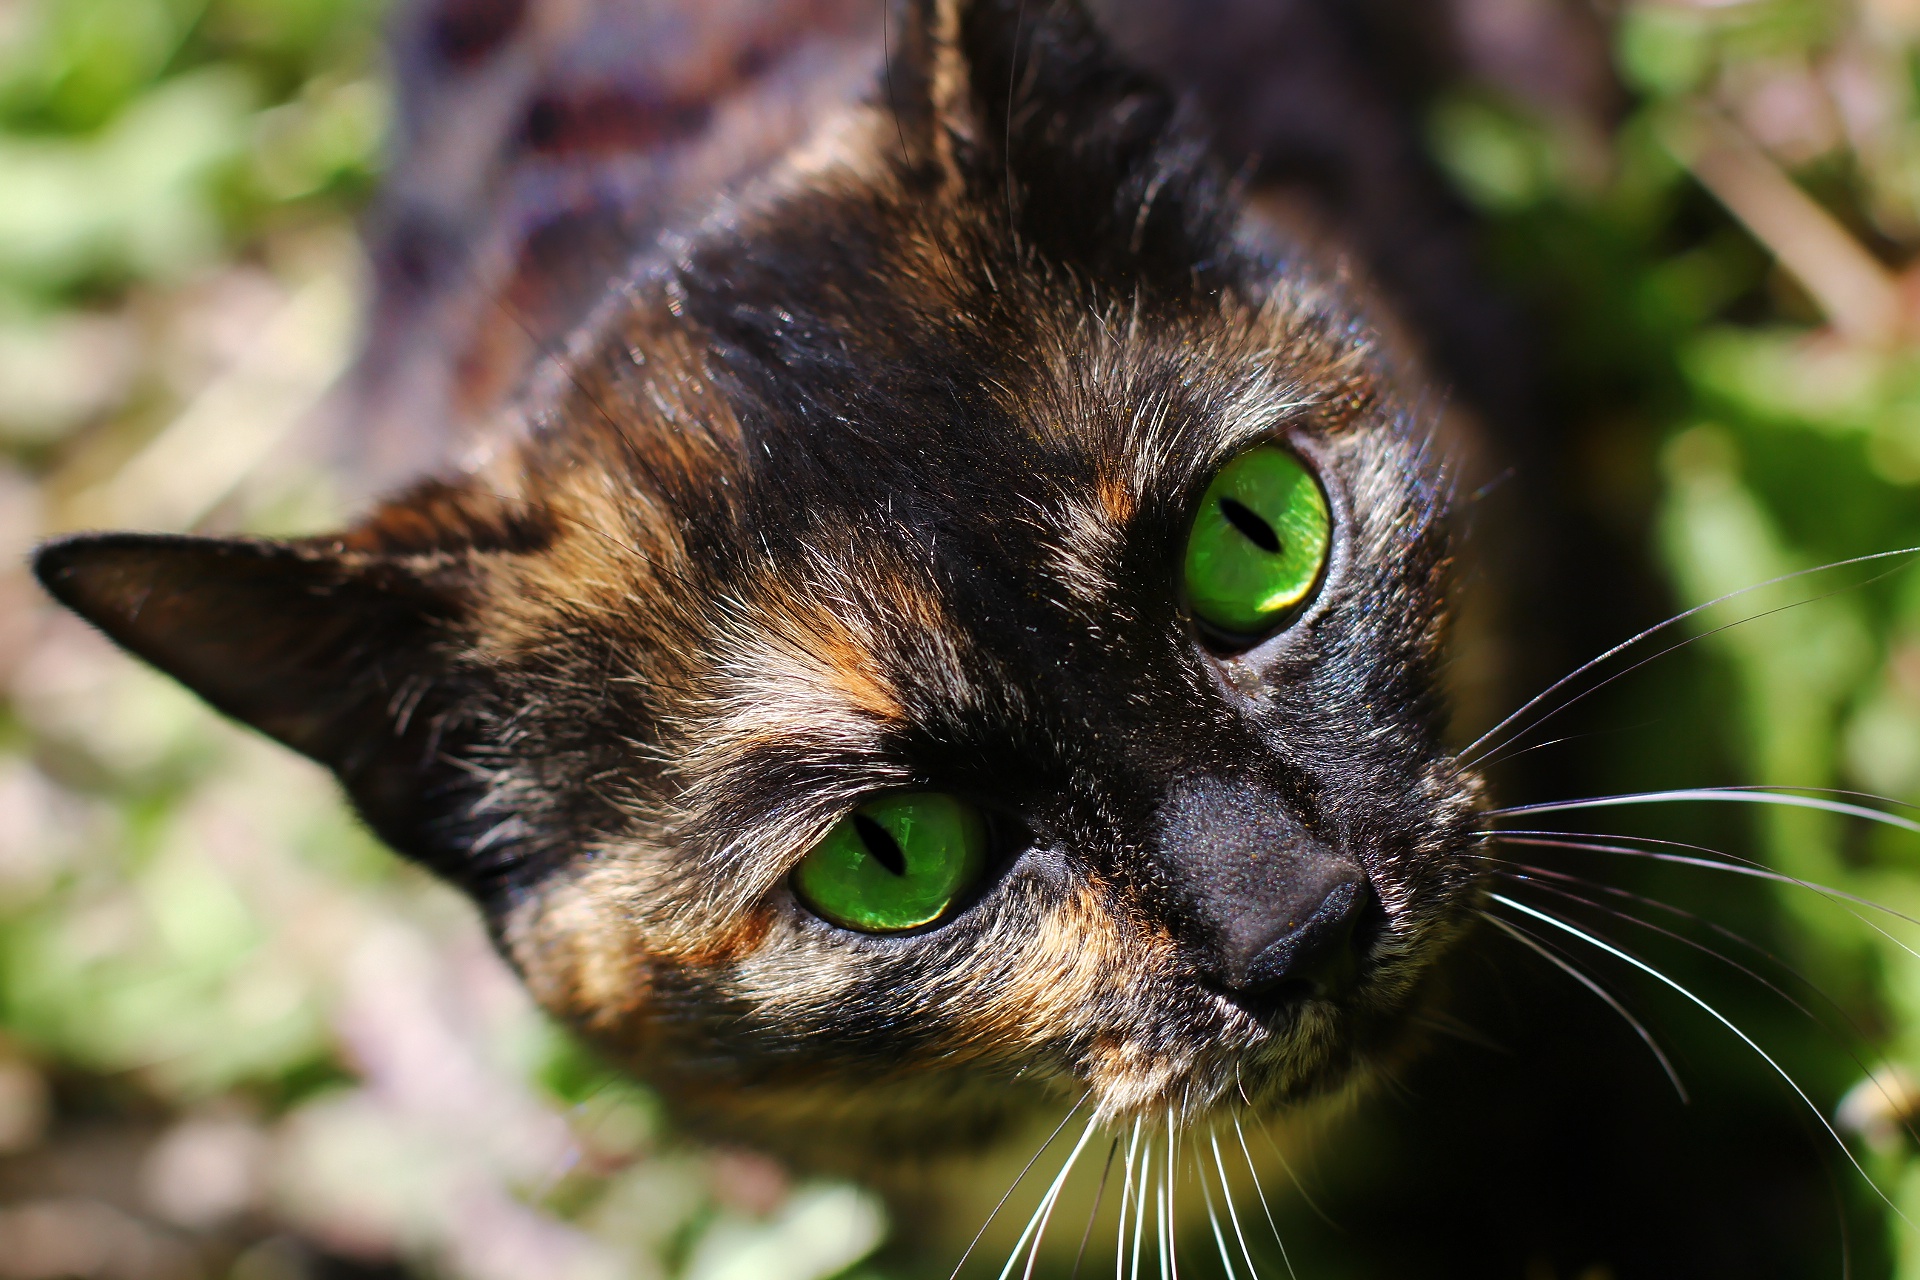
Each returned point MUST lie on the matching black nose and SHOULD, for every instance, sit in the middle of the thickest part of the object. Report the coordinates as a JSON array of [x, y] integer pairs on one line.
[[1271, 911], [1309, 944]]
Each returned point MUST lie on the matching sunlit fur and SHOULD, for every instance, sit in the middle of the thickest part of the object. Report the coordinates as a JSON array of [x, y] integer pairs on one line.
[[878, 478]]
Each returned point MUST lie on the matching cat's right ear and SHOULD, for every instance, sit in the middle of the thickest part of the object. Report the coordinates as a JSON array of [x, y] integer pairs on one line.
[[956, 68], [927, 82], [1026, 104], [346, 652]]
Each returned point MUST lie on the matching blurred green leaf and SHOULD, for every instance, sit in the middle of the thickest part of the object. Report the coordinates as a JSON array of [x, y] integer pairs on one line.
[[135, 200]]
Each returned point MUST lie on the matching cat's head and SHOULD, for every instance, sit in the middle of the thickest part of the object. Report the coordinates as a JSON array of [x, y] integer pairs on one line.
[[963, 626]]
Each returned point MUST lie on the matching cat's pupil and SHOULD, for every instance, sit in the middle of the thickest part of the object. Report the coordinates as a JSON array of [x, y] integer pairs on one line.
[[1251, 526], [880, 844]]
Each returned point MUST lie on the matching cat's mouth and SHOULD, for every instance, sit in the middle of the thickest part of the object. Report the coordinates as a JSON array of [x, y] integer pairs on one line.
[[1343, 1008]]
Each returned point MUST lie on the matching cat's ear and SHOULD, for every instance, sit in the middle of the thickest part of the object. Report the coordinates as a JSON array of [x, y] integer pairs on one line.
[[344, 649], [925, 86], [1026, 103]]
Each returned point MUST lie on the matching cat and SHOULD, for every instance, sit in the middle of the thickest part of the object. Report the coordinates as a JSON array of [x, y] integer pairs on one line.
[[960, 631]]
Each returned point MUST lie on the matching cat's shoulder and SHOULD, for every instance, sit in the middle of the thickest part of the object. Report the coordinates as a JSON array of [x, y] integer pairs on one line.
[[539, 145]]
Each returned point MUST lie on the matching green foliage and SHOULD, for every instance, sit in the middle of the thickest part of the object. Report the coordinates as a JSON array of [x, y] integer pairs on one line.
[[1776, 441], [142, 139]]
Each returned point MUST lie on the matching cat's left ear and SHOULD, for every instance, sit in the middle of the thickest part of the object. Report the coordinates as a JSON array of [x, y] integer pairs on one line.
[[1026, 104], [344, 649]]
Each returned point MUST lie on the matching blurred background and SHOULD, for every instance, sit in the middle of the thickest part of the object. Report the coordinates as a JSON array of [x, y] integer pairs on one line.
[[239, 1040]]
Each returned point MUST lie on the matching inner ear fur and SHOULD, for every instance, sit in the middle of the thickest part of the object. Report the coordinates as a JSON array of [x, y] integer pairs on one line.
[[347, 655], [1025, 104]]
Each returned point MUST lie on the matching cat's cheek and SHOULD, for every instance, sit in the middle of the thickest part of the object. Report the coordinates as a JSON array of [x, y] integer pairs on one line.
[[1042, 968], [593, 955], [1068, 962], [581, 959], [808, 973], [1102, 992]]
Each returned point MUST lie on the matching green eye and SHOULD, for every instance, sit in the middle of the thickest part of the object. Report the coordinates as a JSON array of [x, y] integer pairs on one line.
[[1258, 542], [894, 863]]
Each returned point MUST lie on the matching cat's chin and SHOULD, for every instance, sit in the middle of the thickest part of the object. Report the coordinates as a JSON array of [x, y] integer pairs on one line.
[[914, 1126], [1306, 1049], [945, 1172]]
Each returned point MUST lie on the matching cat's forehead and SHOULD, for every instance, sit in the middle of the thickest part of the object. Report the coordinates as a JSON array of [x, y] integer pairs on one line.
[[806, 574], [1059, 456], [935, 434], [1012, 408]]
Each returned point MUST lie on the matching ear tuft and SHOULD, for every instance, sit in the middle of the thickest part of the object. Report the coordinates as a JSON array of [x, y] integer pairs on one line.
[[926, 84], [438, 516]]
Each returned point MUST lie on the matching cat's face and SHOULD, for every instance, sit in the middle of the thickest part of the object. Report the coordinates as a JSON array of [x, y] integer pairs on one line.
[[876, 496]]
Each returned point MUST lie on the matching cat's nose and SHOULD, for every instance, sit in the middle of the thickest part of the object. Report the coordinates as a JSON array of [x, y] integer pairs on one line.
[[1270, 911], [1305, 941]]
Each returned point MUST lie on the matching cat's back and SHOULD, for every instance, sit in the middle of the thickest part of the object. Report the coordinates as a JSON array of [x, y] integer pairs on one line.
[[540, 145]]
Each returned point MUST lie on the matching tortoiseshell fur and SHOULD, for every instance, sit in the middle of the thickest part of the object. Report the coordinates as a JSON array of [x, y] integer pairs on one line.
[[876, 476]]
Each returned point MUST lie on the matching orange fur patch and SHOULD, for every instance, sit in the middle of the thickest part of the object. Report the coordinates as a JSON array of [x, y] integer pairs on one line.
[[581, 955]]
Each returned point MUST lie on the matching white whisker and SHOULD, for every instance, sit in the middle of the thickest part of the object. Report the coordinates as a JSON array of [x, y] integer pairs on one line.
[[1093, 1214], [1572, 971], [1548, 880], [1173, 1227], [1742, 867], [1874, 796], [1160, 1212], [1261, 1191], [1720, 795], [1233, 1214], [1037, 1224], [1266, 1136], [1543, 879], [1015, 1185], [1722, 1019], [1511, 751], [1655, 629], [1213, 1219], [1126, 1195], [1140, 1207]]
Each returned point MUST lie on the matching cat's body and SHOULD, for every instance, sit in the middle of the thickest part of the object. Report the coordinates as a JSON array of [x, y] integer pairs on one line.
[[891, 367]]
